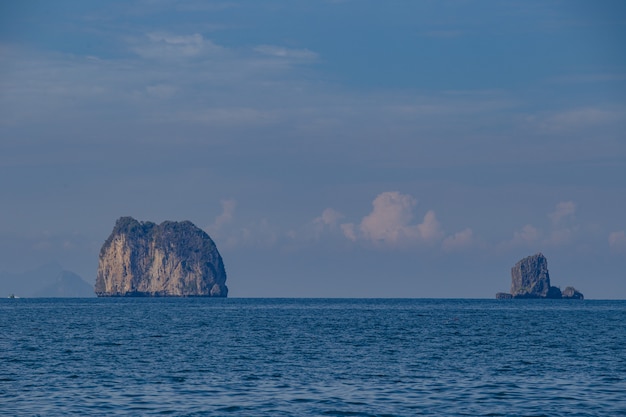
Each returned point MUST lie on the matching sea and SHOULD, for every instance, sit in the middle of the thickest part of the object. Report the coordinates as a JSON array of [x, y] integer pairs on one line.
[[312, 357]]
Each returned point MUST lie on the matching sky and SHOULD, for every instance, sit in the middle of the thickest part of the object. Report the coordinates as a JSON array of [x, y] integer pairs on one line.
[[330, 148]]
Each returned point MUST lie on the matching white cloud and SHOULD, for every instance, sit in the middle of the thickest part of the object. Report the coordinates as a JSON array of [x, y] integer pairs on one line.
[[528, 234], [560, 237], [281, 52], [563, 210], [389, 223], [576, 119], [325, 225], [459, 240], [327, 222], [232, 116], [161, 91], [219, 230], [329, 217], [591, 78], [617, 241], [563, 230], [430, 229], [168, 46], [390, 218], [348, 231], [258, 233], [228, 211]]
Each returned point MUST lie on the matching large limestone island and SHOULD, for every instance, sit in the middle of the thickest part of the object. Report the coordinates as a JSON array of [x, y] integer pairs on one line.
[[530, 279], [143, 259]]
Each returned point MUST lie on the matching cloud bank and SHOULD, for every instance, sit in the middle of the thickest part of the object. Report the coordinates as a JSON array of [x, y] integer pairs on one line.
[[391, 223]]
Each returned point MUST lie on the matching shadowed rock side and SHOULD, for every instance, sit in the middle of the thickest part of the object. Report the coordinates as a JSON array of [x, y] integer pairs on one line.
[[143, 259], [530, 279]]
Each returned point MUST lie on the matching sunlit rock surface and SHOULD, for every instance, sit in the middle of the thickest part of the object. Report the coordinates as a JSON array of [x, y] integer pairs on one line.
[[170, 259]]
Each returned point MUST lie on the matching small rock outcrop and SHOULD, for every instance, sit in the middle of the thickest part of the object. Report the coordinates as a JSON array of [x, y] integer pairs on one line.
[[572, 293], [170, 259], [530, 279]]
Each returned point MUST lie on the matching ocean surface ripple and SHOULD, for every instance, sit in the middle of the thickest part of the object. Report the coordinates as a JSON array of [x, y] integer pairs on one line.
[[312, 357]]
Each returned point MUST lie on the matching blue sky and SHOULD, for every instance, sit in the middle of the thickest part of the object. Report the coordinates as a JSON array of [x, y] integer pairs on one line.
[[330, 148]]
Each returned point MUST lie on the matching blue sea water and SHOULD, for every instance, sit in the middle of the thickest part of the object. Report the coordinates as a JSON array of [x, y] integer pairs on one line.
[[312, 357]]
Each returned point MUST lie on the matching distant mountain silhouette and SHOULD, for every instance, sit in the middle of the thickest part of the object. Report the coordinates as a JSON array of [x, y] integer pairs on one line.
[[66, 284], [49, 280]]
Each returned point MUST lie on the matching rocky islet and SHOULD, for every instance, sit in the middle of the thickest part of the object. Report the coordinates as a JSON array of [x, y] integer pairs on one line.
[[530, 279], [169, 259]]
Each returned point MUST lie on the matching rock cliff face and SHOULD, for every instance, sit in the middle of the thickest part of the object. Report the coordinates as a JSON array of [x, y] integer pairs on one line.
[[530, 279], [170, 259]]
